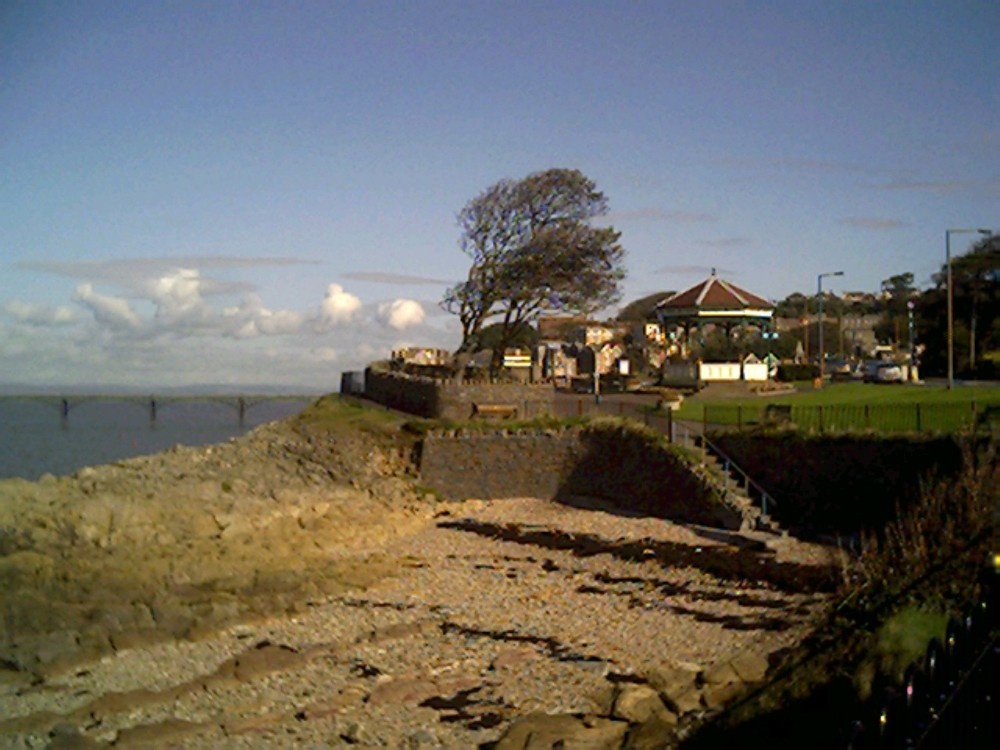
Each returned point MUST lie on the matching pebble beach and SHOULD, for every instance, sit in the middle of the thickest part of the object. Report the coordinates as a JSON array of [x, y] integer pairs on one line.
[[413, 622]]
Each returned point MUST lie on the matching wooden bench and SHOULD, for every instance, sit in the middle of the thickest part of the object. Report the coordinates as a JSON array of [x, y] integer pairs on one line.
[[502, 411]]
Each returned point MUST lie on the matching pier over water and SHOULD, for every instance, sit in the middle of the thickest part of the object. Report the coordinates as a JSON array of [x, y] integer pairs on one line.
[[241, 404]]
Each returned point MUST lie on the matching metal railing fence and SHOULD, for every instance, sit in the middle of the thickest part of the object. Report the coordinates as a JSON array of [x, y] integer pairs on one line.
[[948, 699], [660, 420], [902, 417], [749, 485]]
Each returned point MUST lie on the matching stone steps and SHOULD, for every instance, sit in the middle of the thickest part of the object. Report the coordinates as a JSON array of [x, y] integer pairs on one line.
[[735, 492]]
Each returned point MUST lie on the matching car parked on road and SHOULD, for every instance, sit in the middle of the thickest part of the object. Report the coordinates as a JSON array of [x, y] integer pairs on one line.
[[882, 371], [840, 370]]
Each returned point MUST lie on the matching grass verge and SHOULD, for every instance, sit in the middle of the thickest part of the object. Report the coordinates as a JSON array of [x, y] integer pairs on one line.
[[854, 406]]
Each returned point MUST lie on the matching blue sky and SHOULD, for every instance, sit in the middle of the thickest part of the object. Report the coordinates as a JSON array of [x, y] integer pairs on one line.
[[259, 192]]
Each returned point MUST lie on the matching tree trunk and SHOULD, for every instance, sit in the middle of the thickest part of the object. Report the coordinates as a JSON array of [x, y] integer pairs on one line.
[[972, 341], [496, 362]]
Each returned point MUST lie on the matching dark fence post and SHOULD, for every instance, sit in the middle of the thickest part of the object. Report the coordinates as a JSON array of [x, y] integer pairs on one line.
[[670, 425], [867, 418]]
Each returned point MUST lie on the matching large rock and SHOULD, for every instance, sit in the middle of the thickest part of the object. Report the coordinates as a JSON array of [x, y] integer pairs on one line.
[[750, 667], [722, 673], [411, 690], [640, 703], [169, 733], [678, 686], [547, 731], [717, 696], [654, 734]]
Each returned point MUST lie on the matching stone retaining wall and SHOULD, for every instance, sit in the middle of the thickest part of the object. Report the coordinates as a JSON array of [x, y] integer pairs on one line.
[[499, 464], [451, 399], [417, 396], [611, 462], [841, 484]]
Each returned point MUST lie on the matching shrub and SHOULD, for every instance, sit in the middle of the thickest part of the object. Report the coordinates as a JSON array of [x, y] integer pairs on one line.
[[789, 372], [941, 541]]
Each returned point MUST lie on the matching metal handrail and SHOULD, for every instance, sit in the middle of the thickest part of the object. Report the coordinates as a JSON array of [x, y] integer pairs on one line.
[[730, 465]]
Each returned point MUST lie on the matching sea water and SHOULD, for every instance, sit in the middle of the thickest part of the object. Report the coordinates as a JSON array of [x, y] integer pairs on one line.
[[36, 439]]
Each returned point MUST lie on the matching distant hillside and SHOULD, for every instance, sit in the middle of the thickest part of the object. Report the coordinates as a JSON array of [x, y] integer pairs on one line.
[[643, 308]]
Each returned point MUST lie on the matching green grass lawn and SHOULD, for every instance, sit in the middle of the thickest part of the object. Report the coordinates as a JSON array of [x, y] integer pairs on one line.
[[851, 406]]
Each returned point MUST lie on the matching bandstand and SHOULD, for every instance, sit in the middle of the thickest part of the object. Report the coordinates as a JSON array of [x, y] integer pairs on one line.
[[714, 303]]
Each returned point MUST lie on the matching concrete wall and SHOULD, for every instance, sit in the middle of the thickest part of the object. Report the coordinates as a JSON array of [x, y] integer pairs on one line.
[[450, 399]]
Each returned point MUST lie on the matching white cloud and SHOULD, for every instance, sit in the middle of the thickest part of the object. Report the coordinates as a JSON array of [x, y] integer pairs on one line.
[[657, 214], [279, 322], [871, 222], [113, 312], [930, 186], [250, 318], [324, 354], [178, 297], [39, 315], [381, 277], [401, 314], [134, 273], [338, 306], [239, 340]]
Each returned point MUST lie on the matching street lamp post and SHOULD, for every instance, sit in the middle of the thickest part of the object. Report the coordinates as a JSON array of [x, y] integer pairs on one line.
[[911, 373], [951, 303], [819, 293]]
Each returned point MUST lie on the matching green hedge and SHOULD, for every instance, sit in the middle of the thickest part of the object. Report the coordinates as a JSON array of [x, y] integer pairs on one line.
[[788, 373]]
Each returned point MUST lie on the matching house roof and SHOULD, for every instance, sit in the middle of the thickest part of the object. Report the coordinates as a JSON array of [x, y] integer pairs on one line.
[[713, 294], [557, 327]]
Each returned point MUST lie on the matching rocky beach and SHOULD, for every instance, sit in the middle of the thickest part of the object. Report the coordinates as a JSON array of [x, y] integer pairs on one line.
[[297, 587]]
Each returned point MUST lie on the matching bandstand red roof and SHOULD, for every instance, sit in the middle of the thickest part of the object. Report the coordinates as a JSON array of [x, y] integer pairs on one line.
[[713, 294]]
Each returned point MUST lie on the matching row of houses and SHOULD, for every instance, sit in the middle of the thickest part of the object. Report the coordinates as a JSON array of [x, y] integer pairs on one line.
[[570, 348]]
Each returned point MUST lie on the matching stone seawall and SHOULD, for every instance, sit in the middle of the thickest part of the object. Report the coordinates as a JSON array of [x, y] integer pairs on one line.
[[417, 396], [614, 462], [453, 400], [498, 465]]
